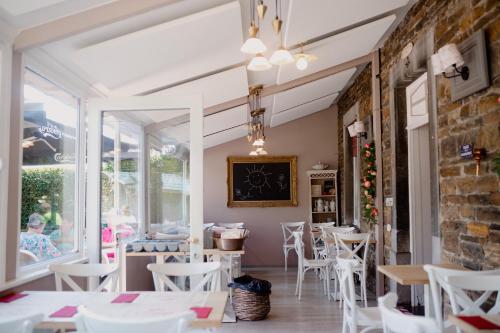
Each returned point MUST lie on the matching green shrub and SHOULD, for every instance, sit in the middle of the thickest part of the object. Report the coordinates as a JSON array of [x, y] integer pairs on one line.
[[48, 185]]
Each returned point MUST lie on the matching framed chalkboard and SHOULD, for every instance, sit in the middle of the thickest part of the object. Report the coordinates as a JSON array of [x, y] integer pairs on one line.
[[262, 181]]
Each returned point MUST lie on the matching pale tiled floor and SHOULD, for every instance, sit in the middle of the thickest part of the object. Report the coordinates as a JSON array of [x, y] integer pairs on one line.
[[313, 313]]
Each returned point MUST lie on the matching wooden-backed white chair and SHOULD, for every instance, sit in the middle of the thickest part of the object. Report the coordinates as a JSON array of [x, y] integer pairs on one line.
[[354, 316], [455, 282], [65, 272], [24, 323], [394, 321], [88, 321], [323, 265], [317, 243], [208, 271], [350, 246], [288, 229]]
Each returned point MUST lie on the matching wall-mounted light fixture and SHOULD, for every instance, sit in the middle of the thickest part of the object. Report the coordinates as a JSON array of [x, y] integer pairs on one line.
[[449, 62], [357, 129]]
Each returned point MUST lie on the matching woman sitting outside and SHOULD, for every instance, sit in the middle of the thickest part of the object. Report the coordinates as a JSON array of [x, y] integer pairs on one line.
[[35, 241]]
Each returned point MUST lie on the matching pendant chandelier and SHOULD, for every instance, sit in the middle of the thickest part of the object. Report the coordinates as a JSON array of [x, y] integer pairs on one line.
[[254, 45], [256, 135]]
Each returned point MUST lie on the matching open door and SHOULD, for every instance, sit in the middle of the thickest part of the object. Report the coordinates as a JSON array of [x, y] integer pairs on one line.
[[145, 170], [419, 176]]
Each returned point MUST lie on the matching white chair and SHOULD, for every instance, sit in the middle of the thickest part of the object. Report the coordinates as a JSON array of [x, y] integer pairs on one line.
[[460, 301], [24, 323], [328, 235], [210, 272], [353, 315], [64, 272], [288, 229], [439, 279], [317, 243], [350, 246], [27, 257], [89, 322], [323, 265], [394, 321], [330, 248]]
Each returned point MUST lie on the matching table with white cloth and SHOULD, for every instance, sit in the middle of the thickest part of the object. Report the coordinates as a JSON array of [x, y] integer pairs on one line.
[[148, 303]]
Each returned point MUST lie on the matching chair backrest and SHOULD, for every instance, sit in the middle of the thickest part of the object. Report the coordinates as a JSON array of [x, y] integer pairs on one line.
[[88, 321], [348, 293], [438, 279], [288, 228], [24, 323], [27, 257], [210, 272], [64, 272], [462, 303], [328, 236], [319, 226], [394, 321], [352, 251], [299, 248]]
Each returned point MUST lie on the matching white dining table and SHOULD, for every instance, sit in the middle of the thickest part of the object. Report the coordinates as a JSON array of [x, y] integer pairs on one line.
[[149, 303]]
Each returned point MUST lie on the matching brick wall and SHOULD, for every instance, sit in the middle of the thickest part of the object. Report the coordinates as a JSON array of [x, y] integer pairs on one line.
[[469, 205]]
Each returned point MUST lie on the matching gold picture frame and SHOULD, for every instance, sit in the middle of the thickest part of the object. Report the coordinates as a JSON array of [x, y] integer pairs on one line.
[[260, 162]]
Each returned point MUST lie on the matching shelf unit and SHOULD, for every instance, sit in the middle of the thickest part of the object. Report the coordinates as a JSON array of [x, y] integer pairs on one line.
[[327, 179]]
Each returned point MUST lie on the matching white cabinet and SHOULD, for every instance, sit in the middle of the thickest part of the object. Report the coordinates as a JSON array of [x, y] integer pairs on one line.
[[323, 196]]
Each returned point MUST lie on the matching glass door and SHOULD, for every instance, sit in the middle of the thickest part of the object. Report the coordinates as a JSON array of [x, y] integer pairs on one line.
[[145, 172]]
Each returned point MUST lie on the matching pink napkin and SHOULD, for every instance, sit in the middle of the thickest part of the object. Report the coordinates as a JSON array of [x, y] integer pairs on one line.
[[11, 298], [65, 312], [201, 312], [479, 322], [125, 298]]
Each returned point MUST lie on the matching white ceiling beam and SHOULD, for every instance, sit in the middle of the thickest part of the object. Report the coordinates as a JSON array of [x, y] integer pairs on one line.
[[84, 21], [277, 88]]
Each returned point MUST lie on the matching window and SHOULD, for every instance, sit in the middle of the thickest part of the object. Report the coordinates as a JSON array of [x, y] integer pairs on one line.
[[49, 223]]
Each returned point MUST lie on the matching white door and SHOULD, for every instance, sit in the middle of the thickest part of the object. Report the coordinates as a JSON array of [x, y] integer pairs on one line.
[[419, 175], [145, 168]]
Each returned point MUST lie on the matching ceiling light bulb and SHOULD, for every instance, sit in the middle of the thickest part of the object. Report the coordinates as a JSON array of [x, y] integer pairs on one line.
[[259, 63], [281, 57], [258, 142], [301, 63], [253, 45]]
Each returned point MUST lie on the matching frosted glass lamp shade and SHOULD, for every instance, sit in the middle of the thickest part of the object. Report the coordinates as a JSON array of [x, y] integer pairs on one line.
[[437, 67], [253, 153], [253, 45], [259, 63], [258, 142], [359, 127], [281, 57], [301, 64], [352, 131], [449, 56]]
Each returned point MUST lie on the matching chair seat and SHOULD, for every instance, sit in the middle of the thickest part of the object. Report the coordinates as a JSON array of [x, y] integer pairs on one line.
[[369, 316], [317, 262]]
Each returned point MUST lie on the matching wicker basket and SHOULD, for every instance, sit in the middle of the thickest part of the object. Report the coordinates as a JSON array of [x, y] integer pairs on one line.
[[250, 306]]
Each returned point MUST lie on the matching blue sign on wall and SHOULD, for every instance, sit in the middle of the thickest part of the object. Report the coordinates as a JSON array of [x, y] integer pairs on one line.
[[466, 151]]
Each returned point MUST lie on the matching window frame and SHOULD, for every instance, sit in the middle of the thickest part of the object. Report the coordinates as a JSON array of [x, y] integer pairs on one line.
[[47, 69]]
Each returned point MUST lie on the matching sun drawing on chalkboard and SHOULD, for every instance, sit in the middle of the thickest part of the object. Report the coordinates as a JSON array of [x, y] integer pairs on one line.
[[257, 178]]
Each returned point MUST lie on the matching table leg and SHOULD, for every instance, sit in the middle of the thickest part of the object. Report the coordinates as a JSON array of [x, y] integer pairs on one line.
[[122, 264], [429, 309]]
